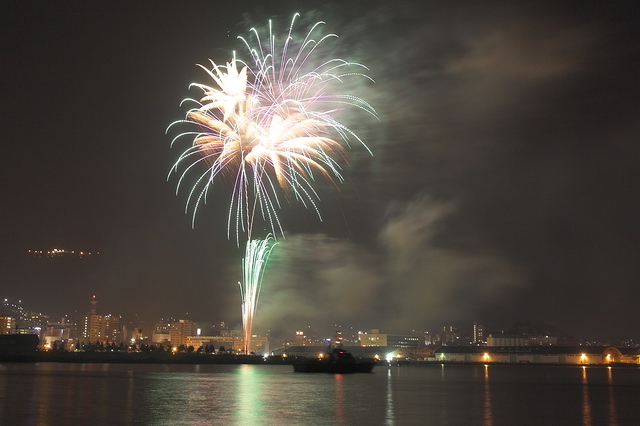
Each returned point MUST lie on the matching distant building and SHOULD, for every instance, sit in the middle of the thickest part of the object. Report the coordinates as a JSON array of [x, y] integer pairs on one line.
[[234, 343], [180, 330], [112, 331], [478, 333], [92, 328], [7, 324], [426, 338], [160, 337], [448, 336], [57, 334], [161, 331], [506, 340], [137, 336], [373, 338], [22, 320], [542, 340], [303, 340], [218, 329], [538, 354], [377, 338]]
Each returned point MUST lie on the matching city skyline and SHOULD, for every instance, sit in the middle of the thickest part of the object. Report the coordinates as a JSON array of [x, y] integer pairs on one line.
[[502, 184], [25, 320]]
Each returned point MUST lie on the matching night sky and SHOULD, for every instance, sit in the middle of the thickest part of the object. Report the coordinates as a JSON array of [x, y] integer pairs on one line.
[[504, 182]]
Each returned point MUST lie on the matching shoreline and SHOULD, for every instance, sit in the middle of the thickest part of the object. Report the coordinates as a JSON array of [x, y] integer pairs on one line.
[[196, 358], [141, 358]]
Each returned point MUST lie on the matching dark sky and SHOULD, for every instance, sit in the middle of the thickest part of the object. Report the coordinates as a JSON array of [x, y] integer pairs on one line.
[[503, 185]]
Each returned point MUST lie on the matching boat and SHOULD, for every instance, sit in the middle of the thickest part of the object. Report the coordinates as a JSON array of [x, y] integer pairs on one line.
[[336, 360]]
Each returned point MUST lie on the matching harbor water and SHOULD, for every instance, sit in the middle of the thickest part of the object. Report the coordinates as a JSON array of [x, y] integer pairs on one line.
[[433, 394]]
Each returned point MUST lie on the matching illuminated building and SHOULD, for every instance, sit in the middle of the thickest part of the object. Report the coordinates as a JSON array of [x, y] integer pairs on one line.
[[57, 335], [449, 335], [112, 328], [180, 330], [478, 333], [303, 340], [161, 331], [377, 338], [92, 328], [373, 338], [7, 324], [235, 343], [506, 340], [23, 321]]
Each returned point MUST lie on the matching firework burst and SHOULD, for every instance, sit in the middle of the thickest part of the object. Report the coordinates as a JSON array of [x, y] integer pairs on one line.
[[268, 126]]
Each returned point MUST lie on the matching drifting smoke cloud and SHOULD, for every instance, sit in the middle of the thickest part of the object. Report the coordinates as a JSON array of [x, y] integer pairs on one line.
[[526, 117], [405, 281], [435, 283]]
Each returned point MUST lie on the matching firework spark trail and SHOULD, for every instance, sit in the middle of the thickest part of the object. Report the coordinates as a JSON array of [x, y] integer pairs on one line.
[[253, 265], [267, 126]]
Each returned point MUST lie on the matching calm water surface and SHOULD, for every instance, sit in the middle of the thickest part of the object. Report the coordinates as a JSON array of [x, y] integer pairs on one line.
[[97, 394]]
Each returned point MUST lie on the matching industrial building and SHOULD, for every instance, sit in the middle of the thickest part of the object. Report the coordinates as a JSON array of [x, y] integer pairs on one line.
[[577, 355]]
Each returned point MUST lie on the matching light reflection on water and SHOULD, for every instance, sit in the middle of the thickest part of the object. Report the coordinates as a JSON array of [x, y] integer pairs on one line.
[[339, 410], [487, 415], [251, 384], [586, 405], [388, 419], [48, 393], [612, 401]]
